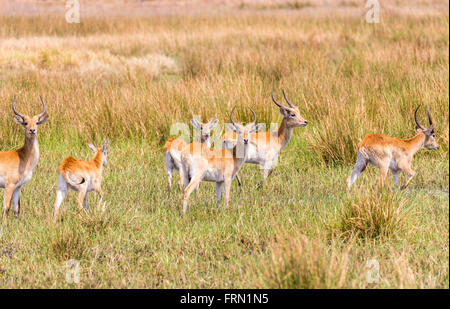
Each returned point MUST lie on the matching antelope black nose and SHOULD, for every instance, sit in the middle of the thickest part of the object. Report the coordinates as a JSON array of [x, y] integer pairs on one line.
[[245, 141], [32, 131]]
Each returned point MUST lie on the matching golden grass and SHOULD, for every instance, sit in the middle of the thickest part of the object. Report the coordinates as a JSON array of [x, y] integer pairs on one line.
[[373, 214], [141, 75], [299, 262]]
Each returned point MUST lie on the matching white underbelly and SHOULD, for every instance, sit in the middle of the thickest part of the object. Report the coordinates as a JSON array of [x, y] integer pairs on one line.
[[90, 186], [25, 179], [254, 157], [213, 175], [393, 165]]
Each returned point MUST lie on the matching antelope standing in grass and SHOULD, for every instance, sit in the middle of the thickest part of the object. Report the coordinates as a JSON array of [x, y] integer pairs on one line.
[[264, 148], [83, 177], [201, 163], [174, 146], [393, 154], [16, 166]]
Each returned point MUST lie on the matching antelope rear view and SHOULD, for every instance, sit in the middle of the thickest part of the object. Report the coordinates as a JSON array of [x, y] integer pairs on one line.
[[83, 177]]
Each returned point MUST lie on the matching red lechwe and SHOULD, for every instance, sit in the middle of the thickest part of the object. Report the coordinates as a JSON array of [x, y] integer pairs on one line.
[[201, 163], [81, 176], [16, 166], [174, 146], [393, 154], [264, 148]]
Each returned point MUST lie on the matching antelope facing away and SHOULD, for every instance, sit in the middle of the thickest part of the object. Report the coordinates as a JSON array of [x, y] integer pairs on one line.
[[16, 166], [393, 154], [174, 146], [264, 148], [216, 165], [81, 176]]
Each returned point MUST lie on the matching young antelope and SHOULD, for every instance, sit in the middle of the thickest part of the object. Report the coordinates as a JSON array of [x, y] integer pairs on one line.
[[81, 176], [174, 146], [216, 165]]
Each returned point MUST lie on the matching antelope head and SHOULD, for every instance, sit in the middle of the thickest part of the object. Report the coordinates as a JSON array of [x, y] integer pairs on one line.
[[290, 113], [204, 128], [430, 136], [103, 150], [30, 124], [242, 131]]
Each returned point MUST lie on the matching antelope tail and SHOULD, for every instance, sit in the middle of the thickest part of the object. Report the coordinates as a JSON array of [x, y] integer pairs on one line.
[[364, 152], [186, 168], [73, 180]]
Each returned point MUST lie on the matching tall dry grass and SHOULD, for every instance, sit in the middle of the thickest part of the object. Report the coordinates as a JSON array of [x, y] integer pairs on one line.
[[301, 262], [373, 214], [132, 78]]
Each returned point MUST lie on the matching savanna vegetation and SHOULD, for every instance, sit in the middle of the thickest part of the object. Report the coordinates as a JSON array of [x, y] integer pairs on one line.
[[131, 78]]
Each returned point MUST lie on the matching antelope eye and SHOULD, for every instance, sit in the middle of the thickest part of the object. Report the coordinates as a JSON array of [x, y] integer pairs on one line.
[[25, 123], [434, 135], [292, 115]]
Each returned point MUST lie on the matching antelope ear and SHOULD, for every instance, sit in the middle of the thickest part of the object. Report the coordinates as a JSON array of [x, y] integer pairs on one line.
[[195, 124], [105, 145], [92, 147], [213, 124], [258, 127], [231, 127], [42, 119], [18, 119], [284, 112], [429, 131], [227, 144]]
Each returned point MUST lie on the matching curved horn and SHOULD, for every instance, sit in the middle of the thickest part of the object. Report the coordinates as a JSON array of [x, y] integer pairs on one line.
[[430, 120], [43, 107], [231, 116], [275, 101], [254, 116], [286, 99], [14, 109], [417, 121]]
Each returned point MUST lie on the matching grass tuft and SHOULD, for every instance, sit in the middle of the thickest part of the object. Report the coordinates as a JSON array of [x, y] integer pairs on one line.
[[301, 262], [374, 214]]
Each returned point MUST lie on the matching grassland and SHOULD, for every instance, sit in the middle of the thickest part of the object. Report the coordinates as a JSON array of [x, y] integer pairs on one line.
[[130, 79]]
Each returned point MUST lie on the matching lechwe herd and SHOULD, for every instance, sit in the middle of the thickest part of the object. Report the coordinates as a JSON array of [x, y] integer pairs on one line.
[[197, 162]]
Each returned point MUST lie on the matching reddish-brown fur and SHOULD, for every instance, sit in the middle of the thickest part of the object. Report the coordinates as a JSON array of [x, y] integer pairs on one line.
[[81, 176], [265, 147], [201, 163], [395, 154], [16, 166], [173, 147]]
